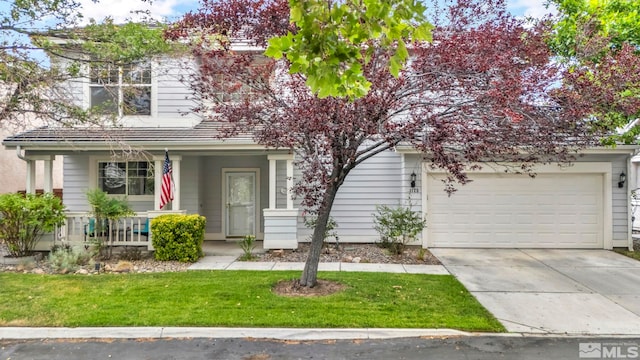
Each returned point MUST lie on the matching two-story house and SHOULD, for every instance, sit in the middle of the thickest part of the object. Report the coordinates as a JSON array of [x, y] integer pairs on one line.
[[243, 188]]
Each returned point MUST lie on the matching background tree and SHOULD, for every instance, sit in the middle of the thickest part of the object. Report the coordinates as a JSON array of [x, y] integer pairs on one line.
[[478, 93], [599, 42], [42, 46]]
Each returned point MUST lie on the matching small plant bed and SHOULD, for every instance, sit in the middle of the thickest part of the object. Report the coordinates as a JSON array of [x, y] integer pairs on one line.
[[293, 288], [632, 254], [239, 299], [123, 260], [362, 253]]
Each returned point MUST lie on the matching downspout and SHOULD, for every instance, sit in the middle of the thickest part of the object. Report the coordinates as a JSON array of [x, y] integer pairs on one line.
[[29, 186], [19, 153]]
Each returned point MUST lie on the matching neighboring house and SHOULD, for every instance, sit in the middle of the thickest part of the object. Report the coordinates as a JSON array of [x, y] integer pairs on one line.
[[15, 176], [244, 188]]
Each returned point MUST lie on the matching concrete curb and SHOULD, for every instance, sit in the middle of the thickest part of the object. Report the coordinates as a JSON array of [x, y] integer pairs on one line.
[[23, 333], [295, 334]]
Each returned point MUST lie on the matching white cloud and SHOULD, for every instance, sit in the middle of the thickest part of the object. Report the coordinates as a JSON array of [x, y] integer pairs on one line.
[[123, 10], [529, 8]]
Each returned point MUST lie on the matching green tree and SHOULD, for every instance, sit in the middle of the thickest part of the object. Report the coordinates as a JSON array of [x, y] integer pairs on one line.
[[326, 44], [599, 42], [42, 45], [589, 29]]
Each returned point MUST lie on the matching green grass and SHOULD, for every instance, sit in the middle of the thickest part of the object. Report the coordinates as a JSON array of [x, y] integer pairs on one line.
[[239, 299], [631, 254]]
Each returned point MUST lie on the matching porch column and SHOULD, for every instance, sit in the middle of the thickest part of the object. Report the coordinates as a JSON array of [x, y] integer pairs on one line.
[[175, 163], [157, 183], [31, 176], [157, 188], [273, 176], [48, 174], [280, 225]]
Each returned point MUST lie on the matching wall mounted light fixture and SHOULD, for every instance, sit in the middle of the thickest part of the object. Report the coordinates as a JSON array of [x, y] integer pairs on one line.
[[413, 179], [622, 179]]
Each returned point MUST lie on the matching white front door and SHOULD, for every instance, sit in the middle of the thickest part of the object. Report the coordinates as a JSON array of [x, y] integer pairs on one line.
[[240, 203]]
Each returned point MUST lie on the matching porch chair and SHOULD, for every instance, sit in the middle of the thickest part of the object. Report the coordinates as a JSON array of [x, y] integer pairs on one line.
[[91, 231], [142, 229]]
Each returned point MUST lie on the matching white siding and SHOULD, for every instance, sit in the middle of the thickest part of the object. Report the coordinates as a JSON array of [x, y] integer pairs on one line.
[[376, 181]]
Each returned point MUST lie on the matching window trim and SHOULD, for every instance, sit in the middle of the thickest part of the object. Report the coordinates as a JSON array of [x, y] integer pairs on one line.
[[94, 178], [87, 85]]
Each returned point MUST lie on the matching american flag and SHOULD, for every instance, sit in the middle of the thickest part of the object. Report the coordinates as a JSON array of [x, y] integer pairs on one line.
[[167, 182]]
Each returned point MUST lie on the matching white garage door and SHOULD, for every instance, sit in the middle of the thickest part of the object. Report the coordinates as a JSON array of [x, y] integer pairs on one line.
[[504, 210]]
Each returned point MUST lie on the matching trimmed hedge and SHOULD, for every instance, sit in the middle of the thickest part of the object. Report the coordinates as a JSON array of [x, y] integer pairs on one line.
[[178, 237]]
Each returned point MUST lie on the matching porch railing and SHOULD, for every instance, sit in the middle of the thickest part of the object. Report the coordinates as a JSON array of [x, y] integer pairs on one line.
[[82, 228]]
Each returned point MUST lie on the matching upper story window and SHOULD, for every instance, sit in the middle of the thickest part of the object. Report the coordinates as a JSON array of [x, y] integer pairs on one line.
[[245, 76], [122, 90], [126, 178]]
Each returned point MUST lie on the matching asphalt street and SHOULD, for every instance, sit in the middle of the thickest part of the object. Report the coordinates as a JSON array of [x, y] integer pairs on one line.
[[464, 347]]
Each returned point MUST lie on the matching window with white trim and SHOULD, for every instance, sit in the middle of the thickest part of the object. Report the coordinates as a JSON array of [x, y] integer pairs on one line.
[[126, 178], [121, 90]]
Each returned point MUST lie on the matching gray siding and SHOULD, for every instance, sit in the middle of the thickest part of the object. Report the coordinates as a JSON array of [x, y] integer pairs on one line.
[[174, 94], [190, 184], [375, 182], [281, 183], [76, 182], [72, 89]]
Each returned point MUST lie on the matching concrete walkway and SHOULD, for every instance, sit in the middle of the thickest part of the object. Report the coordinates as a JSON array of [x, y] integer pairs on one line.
[[230, 263], [222, 256], [576, 292]]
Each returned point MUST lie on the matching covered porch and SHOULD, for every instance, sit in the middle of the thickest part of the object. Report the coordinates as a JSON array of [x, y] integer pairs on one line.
[[240, 187]]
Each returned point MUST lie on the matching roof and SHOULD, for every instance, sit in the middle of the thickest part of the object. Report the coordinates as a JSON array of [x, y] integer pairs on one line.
[[204, 135]]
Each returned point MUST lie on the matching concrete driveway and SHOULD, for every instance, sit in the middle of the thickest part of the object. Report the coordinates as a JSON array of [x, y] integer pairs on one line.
[[552, 291]]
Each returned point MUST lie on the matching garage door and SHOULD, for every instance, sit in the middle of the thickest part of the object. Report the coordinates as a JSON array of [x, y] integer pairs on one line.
[[505, 210]]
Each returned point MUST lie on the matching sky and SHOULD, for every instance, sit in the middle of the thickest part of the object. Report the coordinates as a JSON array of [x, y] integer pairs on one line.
[[121, 10]]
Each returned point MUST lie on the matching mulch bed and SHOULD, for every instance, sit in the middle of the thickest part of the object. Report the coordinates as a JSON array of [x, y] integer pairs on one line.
[[355, 253]]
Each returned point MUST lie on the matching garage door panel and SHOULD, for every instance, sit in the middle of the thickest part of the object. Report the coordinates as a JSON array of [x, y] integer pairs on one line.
[[502, 210]]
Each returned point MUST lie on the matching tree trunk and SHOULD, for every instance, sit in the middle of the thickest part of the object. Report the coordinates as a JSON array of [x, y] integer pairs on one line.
[[310, 274]]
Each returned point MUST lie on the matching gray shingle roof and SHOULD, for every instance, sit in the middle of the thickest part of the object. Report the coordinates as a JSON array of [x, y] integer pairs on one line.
[[204, 134]]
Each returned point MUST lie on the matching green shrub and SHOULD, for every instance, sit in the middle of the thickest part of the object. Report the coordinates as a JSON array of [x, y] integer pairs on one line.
[[329, 231], [247, 245], [397, 226], [178, 237], [25, 218], [106, 209], [65, 259]]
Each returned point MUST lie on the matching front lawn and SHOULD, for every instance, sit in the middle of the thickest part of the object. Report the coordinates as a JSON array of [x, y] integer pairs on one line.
[[239, 299]]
